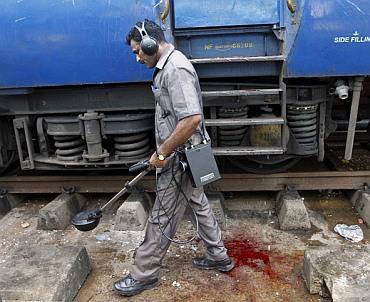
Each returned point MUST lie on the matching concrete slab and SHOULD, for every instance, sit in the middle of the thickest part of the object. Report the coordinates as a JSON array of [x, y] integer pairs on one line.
[[343, 272], [58, 213], [133, 214], [292, 212], [361, 201], [43, 273]]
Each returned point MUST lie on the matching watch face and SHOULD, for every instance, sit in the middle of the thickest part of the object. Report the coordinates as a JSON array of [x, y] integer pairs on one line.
[[160, 157]]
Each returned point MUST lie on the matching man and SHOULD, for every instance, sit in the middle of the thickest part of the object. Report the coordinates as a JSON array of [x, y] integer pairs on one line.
[[178, 117]]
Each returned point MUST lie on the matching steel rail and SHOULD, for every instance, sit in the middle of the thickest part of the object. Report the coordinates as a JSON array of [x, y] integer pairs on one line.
[[336, 180]]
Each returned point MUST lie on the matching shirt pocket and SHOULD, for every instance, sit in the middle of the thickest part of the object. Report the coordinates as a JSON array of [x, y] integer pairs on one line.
[[161, 97]]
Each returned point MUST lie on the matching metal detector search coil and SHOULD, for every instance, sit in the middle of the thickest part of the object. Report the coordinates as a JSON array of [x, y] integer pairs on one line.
[[200, 164], [89, 220]]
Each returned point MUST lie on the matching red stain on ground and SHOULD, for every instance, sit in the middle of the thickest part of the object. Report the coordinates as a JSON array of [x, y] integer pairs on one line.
[[248, 253]]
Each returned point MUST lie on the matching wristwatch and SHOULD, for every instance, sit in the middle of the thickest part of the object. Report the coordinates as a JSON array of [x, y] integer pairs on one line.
[[160, 156]]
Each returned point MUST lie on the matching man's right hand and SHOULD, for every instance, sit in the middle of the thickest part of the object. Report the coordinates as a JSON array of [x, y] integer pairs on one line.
[[155, 162]]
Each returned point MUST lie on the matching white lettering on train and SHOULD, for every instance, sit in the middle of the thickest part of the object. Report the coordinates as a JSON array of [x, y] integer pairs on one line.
[[355, 38]]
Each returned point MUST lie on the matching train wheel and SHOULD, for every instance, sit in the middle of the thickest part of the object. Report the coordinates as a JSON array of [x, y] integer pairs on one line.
[[265, 164]]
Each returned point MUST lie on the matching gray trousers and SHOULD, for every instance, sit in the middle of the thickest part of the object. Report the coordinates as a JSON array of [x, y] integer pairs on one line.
[[167, 212]]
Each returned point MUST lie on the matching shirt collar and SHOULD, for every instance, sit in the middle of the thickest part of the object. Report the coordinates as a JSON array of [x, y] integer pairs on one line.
[[166, 53]]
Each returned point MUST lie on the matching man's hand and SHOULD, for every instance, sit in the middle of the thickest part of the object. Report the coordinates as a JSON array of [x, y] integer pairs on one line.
[[183, 131], [155, 162]]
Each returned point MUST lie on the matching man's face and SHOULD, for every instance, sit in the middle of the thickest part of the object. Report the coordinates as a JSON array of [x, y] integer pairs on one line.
[[149, 61]]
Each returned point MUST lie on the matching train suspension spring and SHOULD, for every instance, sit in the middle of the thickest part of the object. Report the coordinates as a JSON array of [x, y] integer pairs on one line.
[[302, 121], [232, 135], [69, 148], [132, 146]]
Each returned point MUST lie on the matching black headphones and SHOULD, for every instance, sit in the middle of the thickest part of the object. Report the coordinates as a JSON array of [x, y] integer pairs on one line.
[[148, 44]]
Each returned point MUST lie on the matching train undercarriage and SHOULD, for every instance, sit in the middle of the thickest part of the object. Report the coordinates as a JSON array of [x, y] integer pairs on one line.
[[107, 128], [279, 81]]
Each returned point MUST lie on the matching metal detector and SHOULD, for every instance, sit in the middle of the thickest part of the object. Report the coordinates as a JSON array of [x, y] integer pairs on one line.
[[89, 220]]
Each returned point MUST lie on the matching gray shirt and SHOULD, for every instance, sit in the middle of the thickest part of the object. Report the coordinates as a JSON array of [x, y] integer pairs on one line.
[[177, 94]]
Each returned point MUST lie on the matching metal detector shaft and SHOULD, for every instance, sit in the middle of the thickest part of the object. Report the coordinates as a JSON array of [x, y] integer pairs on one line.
[[125, 188]]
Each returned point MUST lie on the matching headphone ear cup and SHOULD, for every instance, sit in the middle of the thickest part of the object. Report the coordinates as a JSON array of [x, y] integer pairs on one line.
[[149, 45]]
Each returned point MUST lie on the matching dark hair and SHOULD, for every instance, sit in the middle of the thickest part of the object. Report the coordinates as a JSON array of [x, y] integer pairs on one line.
[[153, 30]]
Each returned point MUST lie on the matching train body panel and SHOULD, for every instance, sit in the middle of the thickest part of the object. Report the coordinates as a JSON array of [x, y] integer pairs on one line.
[[333, 39], [74, 42], [56, 43], [208, 13]]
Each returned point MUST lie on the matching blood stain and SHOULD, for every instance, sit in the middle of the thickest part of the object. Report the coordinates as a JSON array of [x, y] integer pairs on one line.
[[247, 253]]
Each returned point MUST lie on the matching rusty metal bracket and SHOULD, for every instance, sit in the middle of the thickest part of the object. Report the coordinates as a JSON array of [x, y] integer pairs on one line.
[[166, 10], [292, 6]]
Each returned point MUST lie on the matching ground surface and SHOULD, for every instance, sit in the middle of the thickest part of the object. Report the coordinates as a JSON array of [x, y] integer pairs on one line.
[[269, 262]]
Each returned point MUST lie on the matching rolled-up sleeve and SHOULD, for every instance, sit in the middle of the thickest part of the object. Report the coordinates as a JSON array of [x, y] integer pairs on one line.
[[183, 93]]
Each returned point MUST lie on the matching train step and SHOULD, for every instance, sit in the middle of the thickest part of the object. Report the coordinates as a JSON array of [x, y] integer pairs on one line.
[[245, 92], [244, 122], [240, 151], [237, 59]]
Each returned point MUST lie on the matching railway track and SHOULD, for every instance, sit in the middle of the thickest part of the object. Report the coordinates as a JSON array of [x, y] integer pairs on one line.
[[326, 180]]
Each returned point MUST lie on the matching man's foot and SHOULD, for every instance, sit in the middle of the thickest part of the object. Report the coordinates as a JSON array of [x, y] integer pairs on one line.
[[225, 265], [128, 286]]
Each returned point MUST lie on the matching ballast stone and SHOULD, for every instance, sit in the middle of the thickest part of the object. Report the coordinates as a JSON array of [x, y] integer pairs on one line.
[[44, 273], [342, 272], [133, 214], [58, 213], [292, 212], [361, 201]]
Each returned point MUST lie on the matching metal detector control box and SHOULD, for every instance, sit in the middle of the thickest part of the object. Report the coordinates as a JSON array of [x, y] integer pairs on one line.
[[202, 165]]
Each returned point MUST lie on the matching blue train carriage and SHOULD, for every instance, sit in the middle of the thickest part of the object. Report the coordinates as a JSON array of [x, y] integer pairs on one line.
[[277, 76]]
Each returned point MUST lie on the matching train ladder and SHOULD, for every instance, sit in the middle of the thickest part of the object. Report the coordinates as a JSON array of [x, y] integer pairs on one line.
[[219, 122]]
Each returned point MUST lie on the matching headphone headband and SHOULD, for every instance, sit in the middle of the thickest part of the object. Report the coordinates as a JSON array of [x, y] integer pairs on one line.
[[142, 30], [148, 44]]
